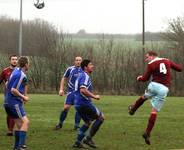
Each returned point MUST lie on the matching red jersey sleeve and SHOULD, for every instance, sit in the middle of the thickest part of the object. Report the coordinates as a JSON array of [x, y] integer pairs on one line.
[[2, 77], [146, 75], [5, 74], [175, 66]]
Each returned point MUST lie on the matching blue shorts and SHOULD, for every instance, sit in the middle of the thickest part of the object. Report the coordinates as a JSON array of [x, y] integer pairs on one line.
[[157, 92], [15, 111], [70, 98], [88, 112]]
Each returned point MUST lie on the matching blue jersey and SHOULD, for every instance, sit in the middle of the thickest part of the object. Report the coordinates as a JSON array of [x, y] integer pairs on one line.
[[83, 81], [17, 80], [72, 74]]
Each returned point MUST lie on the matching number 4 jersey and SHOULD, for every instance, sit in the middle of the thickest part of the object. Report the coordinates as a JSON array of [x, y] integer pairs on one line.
[[159, 70]]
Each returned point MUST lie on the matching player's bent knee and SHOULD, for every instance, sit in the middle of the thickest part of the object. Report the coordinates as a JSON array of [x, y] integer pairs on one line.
[[25, 120], [154, 111], [18, 123], [67, 107], [25, 124], [144, 97], [66, 110]]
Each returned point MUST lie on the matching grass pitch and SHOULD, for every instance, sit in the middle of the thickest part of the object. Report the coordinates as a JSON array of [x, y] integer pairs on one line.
[[119, 131]]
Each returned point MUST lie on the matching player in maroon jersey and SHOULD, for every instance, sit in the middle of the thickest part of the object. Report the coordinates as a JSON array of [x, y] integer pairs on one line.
[[5, 74], [158, 69]]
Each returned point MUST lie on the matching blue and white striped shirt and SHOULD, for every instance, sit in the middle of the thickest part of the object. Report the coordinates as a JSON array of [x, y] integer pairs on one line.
[[72, 74], [17, 80], [83, 80]]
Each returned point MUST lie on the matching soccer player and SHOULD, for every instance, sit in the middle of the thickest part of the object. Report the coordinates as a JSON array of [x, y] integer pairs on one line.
[[84, 106], [4, 76], [159, 70], [70, 76], [15, 97]]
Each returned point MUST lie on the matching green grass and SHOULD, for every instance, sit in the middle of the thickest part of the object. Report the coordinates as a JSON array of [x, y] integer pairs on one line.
[[119, 131]]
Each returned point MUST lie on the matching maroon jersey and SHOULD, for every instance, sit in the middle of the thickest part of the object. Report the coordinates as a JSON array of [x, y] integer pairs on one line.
[[5, 74], [160, 71]]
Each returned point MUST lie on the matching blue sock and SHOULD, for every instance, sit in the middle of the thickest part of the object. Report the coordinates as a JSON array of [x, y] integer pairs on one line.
[[22, 137], [17, 139], [63, 116], [77, 119], [81, 133], [96, 125]]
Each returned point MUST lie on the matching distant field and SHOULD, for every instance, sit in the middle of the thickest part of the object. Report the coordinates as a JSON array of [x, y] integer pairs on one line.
[[119, 132], [126, 43]]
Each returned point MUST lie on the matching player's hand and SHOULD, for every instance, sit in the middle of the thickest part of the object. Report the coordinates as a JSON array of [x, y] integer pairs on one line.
[[97, 97], [61, 92], [25, 98], [138, 78]]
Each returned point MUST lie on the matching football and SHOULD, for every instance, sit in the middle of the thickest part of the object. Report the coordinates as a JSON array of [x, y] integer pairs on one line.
[[39, 4]]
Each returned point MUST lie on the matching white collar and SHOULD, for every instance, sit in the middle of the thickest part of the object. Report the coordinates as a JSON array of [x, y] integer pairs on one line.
[[155, 59]]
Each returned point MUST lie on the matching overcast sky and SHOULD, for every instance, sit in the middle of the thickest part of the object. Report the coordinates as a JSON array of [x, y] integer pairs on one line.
[[99, 16]]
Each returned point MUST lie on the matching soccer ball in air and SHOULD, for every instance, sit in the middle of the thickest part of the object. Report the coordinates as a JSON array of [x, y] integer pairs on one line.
[[39, 4]]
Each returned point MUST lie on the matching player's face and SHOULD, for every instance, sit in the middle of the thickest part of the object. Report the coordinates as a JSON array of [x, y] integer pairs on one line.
[[148, 58], [90, 68], [27, 66], [78, 61], [13, 61]]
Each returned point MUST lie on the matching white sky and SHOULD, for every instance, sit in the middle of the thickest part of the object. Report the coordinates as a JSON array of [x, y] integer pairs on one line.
[[99, 16]]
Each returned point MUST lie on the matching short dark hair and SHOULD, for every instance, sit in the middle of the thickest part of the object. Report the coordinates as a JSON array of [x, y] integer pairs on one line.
[[13, 55], [22, 61], [152, 53], [85, 63]]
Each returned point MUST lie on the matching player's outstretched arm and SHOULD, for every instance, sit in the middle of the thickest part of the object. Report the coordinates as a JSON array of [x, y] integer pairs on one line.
[[87, 93], [176, 67]]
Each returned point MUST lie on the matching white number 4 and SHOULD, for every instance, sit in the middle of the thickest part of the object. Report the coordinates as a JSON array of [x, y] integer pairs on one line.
[[163, 68]]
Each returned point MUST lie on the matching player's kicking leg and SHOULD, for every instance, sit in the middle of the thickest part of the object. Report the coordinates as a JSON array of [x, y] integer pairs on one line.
[[132, 108]]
